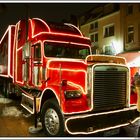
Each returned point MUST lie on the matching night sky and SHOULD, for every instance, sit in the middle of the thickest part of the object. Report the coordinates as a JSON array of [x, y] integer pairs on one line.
[[11, 13]]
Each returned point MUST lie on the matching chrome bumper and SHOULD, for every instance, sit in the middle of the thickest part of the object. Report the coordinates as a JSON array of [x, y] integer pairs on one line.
[[98, 122]]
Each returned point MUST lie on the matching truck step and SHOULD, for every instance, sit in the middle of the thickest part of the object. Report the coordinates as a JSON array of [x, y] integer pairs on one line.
[[28, 103]]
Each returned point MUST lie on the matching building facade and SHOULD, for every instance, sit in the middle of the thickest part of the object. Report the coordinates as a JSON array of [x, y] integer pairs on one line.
[[112, 28], [130, 15]]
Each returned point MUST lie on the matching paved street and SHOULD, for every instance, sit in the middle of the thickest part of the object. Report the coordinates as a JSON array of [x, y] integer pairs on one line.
[[15, 121]]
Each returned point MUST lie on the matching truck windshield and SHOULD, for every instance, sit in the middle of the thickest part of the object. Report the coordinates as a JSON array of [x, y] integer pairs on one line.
[[66, 50]]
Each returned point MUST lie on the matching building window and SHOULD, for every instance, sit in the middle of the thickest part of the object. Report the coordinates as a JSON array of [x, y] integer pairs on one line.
[[130, 34], [108, 50], [109, 31], [129, 9], [94, 37], [94, 26]]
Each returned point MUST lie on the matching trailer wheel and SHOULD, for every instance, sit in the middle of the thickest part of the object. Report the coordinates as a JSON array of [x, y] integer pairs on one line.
[[52, 118]]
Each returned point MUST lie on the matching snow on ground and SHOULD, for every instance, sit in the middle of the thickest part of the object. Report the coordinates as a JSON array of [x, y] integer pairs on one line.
[[5, 100], [11, 111]]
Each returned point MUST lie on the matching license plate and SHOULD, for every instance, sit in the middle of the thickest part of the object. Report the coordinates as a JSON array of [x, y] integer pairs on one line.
[[111, 132]]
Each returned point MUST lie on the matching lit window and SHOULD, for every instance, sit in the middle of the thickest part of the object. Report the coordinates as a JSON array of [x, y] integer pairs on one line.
[[94, 37], [130, 33], [109, 31]]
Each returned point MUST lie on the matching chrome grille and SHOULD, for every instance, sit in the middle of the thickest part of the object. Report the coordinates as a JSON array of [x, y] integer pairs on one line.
[[109, 89]]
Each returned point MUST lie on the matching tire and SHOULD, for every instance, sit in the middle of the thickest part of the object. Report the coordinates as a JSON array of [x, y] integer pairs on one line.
[[52, 118]]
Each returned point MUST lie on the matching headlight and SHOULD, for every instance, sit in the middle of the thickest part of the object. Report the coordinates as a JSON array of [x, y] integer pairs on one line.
[[72, 94]]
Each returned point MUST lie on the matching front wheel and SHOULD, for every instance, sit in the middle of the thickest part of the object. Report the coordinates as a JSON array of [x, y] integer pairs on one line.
[[52, 118]]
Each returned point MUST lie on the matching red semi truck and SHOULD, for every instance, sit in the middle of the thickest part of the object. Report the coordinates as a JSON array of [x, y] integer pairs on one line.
[[70, 89]]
